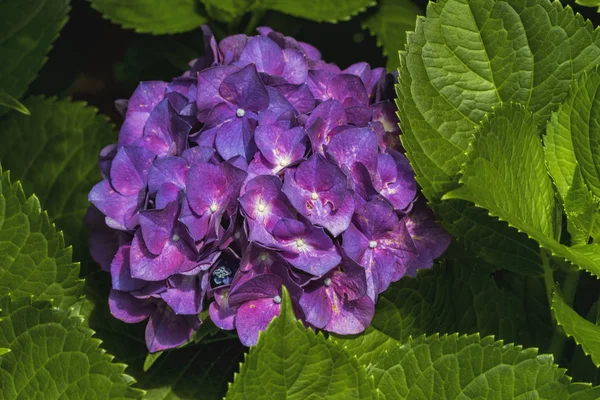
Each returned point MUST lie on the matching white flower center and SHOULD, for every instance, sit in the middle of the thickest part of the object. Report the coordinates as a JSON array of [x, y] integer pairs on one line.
[[175, 238], [327, 282], [300, 243], [283, 162], [277, 299], [214, 207], [261, 207], [372, 244], [238, 234], [314, 195], [240, 112]]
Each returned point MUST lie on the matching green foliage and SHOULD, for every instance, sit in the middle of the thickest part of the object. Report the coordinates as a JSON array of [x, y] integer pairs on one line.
[[227, 10], [292, 362], [585, 333], [33, 259], [467, 57], [51, 353], [26, 36], [153, 16], [54, 153], [389, 24], [8, 101], [318, 10]]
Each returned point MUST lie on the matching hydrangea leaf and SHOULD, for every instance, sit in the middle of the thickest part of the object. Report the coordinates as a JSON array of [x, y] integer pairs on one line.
[[292, 362], [585, 333], [506, 175], [461, 297], [319, 10], [227, 10], [27, 30], [582, 366], [199, 371], [389, 24], [453, 366], [51, 352], [589, 3], [33, 259], [457, 67], [153, 16], [54, 154], [6, 100]]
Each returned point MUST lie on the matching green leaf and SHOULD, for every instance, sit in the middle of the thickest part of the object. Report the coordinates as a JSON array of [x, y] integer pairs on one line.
[[227, 10], [581, 210], [318, 10], [292, 362], [467, 57], [33, 259], [453, 367], [54, 152], [506, 173], [460, 297], [589, 3], [7, 100], [27, 30], [585, 333], [4, 351], [51, 353], [153, 16], [389, 24]]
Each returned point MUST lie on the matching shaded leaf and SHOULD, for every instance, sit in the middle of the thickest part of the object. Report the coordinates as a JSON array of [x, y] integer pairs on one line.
[[318, 10], [8, 101]]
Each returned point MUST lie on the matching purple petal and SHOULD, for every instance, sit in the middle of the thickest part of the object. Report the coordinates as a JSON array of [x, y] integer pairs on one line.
[[258, 287], [105, 159], [120, 211], [316, 306], [127, 308], [265, 54], [345, 86], [157, 226], [322, 120], [299, 96], [245, 90], [197, 225], [295, 70], [255, 316], [350, 317], [318, 82], [220, 313], [385, 112], [396, 180], [103, 241], [176, 257], [121, 273], [167, 170], [281, 146], [185, 293], [279, 105], [209, 81], [165, 330], [234, 138], [232, 46], [310, 51], [146, 96], [355, 145], [129, 171], [198, 154]]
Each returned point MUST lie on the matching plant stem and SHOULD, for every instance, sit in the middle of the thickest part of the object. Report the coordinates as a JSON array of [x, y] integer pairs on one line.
[[568, 290], [255, 18]]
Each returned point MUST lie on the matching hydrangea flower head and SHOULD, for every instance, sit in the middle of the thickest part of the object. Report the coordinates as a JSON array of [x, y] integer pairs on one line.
[[261, 166]]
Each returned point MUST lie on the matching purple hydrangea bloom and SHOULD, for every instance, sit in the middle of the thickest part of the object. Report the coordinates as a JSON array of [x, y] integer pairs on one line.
[[261, 166]]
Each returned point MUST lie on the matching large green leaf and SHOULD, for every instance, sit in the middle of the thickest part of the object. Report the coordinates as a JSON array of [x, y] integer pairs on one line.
[[153, 16], [456, 367], [469, 56], [27, 30], [227, 10], [506, 175], [292, 362], [389, 24], [585, 333], [466, 299], [318, 10], [54, 154], [51, 354], [6, 100], [33, 259]]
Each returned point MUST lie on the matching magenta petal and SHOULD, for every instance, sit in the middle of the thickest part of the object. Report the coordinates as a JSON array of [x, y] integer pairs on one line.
[[265, 54], [355, 145], [245, 90], [185, 294], [335, 221], [146, 96], [331, 114], [222, 315], [254, 316], [129, 171], [121, 273], [296, 67], [120, 211], [316, 306], [350, 317], [165, 330], [261, 286], [234, 138], [176, 257], [281, 146], [127, 308], [396, 180]]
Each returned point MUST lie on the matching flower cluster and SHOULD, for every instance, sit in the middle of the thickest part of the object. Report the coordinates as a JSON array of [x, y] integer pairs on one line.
[[259, 167]]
